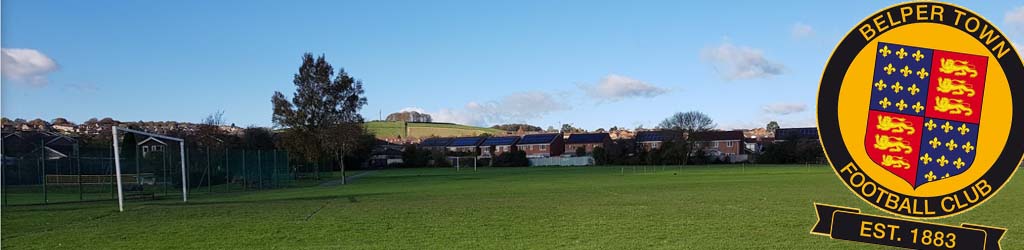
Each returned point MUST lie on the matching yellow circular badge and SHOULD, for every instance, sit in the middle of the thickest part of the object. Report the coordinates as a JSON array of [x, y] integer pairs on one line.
[[916, 110]]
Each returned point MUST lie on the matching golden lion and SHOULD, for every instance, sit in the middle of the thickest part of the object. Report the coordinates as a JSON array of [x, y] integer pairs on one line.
[[955, 87], [952, 106], [895, 162], [892, 144], [957, 67], [895, 125]]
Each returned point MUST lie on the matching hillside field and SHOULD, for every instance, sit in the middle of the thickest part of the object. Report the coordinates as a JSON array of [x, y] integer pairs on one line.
[[383, 129], [674, 207]]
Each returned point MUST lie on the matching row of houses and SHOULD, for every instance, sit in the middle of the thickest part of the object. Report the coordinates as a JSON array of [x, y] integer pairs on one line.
[[730, 145]]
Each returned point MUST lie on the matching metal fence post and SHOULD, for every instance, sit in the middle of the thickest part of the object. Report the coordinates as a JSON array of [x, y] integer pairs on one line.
[[227, 170], [42, 167], [78, 166], [245, 174], [209, 185], [259, 165]]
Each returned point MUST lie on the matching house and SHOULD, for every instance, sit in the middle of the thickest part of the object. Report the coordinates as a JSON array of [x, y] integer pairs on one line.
[[494, 146], [435, 144], [726, 145], [653, 140], [542, 145], [28, 144], [587, 141], [385, 154], [465, 145], [151, 145], [809, 133]]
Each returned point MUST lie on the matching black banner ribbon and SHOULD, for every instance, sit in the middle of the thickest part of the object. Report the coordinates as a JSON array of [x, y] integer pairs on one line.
[[849, 224]]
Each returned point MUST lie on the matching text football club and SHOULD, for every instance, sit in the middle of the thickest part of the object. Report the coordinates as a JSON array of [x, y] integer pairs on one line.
[[916, 115]]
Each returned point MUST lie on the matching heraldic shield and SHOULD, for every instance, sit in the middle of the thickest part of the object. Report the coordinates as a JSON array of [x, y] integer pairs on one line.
[[925, 111]]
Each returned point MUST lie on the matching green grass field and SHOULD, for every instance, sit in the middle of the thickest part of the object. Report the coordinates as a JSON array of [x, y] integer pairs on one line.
[[424, 130], [690, 207]]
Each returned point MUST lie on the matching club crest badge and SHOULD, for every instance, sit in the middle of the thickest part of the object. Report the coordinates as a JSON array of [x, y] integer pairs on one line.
[[921, 114], [921, 110]]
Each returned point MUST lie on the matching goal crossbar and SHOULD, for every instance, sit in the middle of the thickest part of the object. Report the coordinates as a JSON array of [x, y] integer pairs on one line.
[[117, 163]]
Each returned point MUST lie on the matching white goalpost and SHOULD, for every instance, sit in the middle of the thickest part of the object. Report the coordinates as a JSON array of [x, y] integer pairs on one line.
[[117, 163]]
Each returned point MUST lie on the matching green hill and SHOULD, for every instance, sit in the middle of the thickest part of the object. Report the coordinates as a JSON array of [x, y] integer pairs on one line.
[[384, 129]]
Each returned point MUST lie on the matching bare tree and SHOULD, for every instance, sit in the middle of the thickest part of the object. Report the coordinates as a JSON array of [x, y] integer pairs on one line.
[[690, 124]]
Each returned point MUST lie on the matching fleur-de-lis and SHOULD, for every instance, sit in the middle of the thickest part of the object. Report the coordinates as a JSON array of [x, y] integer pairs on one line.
[[902, 53], [901, 105], [885, 51], [930, 176], [963, 129], [922, 73], [918, 56], [967, 147], [885, 102], [959, 163], [926, 158], [889, 69], [935, 142], [942, 161], [947, 127], [930, 125], [951, 145], [906, 71], [918, 107], [881, 85], [897, 87], [913, 89]]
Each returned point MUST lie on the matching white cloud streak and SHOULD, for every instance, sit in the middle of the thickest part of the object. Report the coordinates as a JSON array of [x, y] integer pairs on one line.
[[801, 30], [27, 66], [614, 87], [739, 62], [784, 108], [517, 107]]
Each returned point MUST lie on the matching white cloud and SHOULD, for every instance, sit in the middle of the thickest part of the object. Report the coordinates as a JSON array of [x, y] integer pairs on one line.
[[415, 109], [616, 87], [739, 62], [1014, 19], [784, 108], [517, 107], [801, 30], [26, 66]]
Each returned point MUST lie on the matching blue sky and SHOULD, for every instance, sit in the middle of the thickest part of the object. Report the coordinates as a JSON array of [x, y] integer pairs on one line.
[[594, 64]]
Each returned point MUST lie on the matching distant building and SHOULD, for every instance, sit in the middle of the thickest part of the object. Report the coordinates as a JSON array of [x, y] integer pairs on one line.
[[783, 134], [542, 145], [28, 144], [587, 142], [722, 144], [435, 144], [494, 146], [465, 145], [152, 145], [652, 140]]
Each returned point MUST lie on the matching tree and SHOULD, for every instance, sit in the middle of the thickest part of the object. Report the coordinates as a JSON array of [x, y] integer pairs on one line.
[[600, 156], [208, 132], [61, 121], [568, 128], [691, 124], [772, 126], [321, 121], [409, 116], [258, 138], [515, 127], [580, 151]]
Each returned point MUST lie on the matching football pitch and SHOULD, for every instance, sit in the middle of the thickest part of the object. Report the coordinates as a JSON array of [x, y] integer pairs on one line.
[[673, 207]]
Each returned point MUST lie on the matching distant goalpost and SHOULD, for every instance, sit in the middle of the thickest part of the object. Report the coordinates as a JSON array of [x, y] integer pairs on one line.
[[117, 162]]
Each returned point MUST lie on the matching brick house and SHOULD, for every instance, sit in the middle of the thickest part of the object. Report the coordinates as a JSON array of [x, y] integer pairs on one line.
[[494, 146], [587, 142], [723, 144], [465, 145], [652, 140], [542, 145]]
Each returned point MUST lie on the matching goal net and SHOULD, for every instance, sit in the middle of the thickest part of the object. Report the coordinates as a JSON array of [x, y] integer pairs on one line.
[[146, 166]]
